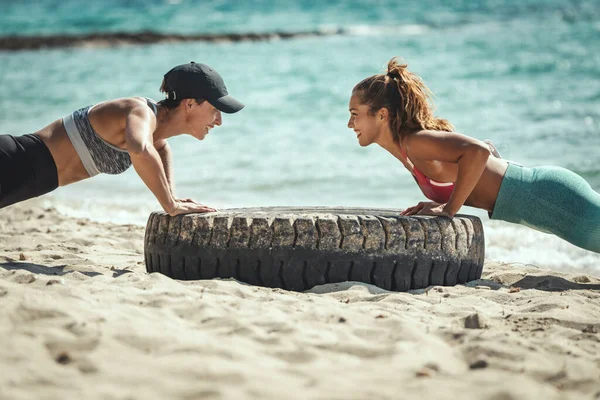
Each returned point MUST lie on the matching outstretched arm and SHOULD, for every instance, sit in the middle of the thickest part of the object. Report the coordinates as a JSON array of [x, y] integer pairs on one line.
[[148, 164], [164, 151], [470, 154]]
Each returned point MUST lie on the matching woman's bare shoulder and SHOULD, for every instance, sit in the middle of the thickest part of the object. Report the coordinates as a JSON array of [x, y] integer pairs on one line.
[[423, 136], [128, 103], [123, 107], [427, 135], [430, 144]]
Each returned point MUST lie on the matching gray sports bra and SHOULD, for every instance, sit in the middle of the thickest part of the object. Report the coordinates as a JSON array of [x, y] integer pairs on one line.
[[97, 155]]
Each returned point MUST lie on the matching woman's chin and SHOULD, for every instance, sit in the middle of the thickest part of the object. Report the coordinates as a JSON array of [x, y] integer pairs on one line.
[[200, 135]]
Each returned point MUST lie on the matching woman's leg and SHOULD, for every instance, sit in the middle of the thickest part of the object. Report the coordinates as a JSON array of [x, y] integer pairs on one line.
[[575, 199], [553, 200], [27, 169]]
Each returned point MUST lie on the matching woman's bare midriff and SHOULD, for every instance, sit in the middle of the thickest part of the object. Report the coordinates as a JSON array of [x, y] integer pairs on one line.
[[486, 191], [68, 164], [107, 119]]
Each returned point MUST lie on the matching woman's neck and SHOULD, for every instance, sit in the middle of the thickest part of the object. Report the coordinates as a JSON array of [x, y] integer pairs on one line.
[[166, 126], [386, 140]]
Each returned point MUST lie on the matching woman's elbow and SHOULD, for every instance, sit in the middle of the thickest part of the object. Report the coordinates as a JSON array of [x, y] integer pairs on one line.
[[481, 150], [139, 150], [476, 153]]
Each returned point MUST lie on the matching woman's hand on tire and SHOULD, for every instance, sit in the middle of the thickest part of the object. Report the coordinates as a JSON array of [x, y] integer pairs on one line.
[[427, 208], [189, 206]]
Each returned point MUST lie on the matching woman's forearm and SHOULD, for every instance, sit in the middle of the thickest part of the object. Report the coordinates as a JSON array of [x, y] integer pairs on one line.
[[149, 167], [167, 162]]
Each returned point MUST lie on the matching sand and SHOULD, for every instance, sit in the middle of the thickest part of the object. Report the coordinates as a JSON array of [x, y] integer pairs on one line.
[[81, 319]]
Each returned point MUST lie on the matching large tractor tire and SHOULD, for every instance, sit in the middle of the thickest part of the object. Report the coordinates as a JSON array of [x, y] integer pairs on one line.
[[298, 248]]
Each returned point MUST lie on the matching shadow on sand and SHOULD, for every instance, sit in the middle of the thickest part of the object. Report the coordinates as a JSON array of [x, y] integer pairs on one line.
[[55, 271]]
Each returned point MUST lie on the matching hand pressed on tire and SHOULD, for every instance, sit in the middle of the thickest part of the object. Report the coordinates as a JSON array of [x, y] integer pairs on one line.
[[189, 206], [427, 208]]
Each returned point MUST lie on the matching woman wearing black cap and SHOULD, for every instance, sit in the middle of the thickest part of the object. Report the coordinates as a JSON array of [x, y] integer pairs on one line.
[[111, 136]]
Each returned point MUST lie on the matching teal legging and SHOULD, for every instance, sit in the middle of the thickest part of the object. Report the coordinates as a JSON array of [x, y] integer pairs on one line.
[[552, 200]]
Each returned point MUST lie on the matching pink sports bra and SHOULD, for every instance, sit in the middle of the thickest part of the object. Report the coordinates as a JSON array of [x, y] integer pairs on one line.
[[435, 191]]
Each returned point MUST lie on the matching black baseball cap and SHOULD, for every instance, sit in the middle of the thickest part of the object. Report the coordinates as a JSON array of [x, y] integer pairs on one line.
[[199, 81]]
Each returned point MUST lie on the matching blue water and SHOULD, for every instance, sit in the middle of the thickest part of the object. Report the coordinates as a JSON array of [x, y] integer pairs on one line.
[[525, 74]]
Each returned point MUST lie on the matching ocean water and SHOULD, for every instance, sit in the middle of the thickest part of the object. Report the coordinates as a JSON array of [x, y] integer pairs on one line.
[[523, 73]]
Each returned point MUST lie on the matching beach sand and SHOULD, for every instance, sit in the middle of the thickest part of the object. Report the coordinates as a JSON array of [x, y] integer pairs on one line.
[[81, 319]]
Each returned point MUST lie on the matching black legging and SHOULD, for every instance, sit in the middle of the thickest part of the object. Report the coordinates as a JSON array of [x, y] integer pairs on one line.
[[27, 169]]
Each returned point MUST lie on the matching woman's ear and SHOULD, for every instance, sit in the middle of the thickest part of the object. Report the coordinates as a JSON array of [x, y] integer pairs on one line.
[[187, 104], [383, 114]]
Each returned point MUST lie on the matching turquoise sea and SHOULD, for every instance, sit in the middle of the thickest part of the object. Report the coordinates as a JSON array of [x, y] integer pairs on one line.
[[523, 73]]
